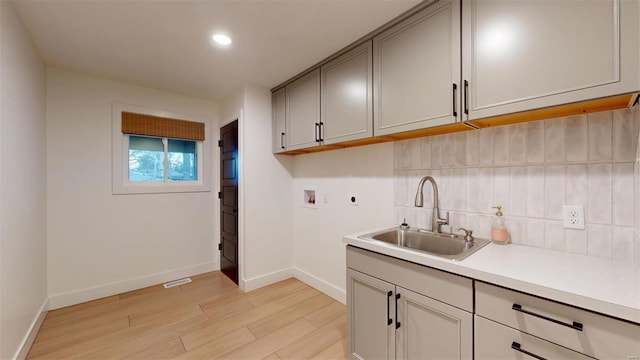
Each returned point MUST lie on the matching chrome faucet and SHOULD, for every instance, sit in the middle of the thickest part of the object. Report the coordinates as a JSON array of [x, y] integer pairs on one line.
[[436, 220]]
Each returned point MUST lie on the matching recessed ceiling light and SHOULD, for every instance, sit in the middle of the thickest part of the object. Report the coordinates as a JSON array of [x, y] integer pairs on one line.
[[221, 39]]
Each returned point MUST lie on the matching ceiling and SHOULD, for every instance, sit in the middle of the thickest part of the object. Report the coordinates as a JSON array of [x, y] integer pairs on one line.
[[165, 44]]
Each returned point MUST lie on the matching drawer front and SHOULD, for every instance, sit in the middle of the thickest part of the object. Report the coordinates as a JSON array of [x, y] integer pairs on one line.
[[600, 336], [449, 288], [494, 341]]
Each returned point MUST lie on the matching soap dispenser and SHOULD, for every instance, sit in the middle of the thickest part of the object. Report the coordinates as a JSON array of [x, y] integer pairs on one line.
[[499, 232]]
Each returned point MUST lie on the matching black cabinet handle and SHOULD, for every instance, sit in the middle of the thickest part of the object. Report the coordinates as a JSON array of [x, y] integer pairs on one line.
[[576, 325], [397, 322], [466, 97], [389, 320], [515, 346], [317, 132], [455, 96], [321, 131], [282, 140]]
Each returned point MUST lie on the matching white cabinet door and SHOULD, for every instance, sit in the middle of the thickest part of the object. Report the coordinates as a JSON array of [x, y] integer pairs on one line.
[[416, 68], [346, 96], [370, 317], [278, 103], [303, 111], [522, 55], [430, 329]]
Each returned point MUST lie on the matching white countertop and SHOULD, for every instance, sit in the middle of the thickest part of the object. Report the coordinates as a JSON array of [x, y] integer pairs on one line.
[[605, 286]]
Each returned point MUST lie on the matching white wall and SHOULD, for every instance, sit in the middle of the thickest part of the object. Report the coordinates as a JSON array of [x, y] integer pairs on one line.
[[23, 276], [636, 201], [319, 253], [102, 244], [265, 191]]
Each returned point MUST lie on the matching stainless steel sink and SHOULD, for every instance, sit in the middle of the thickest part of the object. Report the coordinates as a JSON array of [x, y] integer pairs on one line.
[[448, 246]]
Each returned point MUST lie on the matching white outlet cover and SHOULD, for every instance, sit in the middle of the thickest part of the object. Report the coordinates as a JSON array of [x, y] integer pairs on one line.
[[573, 217]]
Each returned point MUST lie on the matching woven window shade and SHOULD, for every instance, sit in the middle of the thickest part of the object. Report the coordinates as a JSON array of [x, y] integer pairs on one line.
[[140, 124]]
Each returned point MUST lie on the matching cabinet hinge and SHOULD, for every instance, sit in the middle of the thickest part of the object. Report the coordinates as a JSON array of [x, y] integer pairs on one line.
[[220, 246], [219, 143], [219, 194]]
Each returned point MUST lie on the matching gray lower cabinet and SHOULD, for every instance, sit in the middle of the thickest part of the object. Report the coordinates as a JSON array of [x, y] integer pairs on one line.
[[510, 324], [401, 310], [394, 310], [371, 308], [496, 341], [430, 329]]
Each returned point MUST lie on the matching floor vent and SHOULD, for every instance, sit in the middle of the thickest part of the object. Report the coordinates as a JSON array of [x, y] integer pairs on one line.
[[171, 284]]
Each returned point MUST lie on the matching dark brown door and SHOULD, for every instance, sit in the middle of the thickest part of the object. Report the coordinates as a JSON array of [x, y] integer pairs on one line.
[[229, 200]]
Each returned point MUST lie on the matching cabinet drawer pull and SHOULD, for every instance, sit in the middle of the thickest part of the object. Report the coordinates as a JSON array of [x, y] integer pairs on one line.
[[397, 322], [575, 325], [317, 131], [466, 97], [455, 106], [389, 320], [282, 140], [515, 346], [321, 131]]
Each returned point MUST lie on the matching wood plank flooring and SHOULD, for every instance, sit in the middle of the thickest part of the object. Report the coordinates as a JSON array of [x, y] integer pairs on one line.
[[209, 318]]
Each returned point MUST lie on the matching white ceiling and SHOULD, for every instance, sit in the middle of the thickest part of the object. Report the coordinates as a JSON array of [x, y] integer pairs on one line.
[[165, 44]]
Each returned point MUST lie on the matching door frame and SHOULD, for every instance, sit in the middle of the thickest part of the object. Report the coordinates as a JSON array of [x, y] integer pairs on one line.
[[241, 219]]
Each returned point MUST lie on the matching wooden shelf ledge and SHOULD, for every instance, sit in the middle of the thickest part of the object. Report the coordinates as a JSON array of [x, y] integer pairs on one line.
[[572, 109]]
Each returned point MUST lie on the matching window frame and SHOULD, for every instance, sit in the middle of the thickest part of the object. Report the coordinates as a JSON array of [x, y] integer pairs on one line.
[[120, 157]]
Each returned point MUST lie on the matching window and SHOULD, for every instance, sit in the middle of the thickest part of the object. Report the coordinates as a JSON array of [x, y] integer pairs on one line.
[[162, 159], [158, 152], [182, 159], [146, 159]]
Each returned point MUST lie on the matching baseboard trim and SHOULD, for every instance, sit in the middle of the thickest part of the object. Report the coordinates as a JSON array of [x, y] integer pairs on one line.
[[325, 287], [267, 279], [97, 292], [30, 336]]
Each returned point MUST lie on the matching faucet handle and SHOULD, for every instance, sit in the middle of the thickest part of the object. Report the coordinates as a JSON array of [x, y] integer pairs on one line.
[[467, 234], [444, 221], [404, 225]]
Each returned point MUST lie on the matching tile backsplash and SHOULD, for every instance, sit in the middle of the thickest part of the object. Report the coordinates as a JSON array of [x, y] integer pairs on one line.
[[532, 170]]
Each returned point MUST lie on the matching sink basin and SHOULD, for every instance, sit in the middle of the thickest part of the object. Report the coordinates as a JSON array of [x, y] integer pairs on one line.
[[448, 246]]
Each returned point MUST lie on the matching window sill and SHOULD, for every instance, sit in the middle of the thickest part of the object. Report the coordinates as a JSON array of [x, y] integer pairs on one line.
[[159, 188]]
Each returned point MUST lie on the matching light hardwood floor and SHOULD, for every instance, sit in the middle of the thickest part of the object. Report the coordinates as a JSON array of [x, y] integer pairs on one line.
[[209, 318]]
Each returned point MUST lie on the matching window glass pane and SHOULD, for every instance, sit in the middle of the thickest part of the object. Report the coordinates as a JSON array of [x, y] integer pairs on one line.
[[183, 160], [146, 159]]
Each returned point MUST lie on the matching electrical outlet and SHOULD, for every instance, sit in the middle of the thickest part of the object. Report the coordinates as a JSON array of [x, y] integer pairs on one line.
[[573, 217]]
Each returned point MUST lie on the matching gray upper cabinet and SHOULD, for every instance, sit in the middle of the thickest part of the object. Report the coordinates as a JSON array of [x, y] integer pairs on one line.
[[417, 70], [455, 61], [346, 84], [278, 103], [303, 111], [523, 55]]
